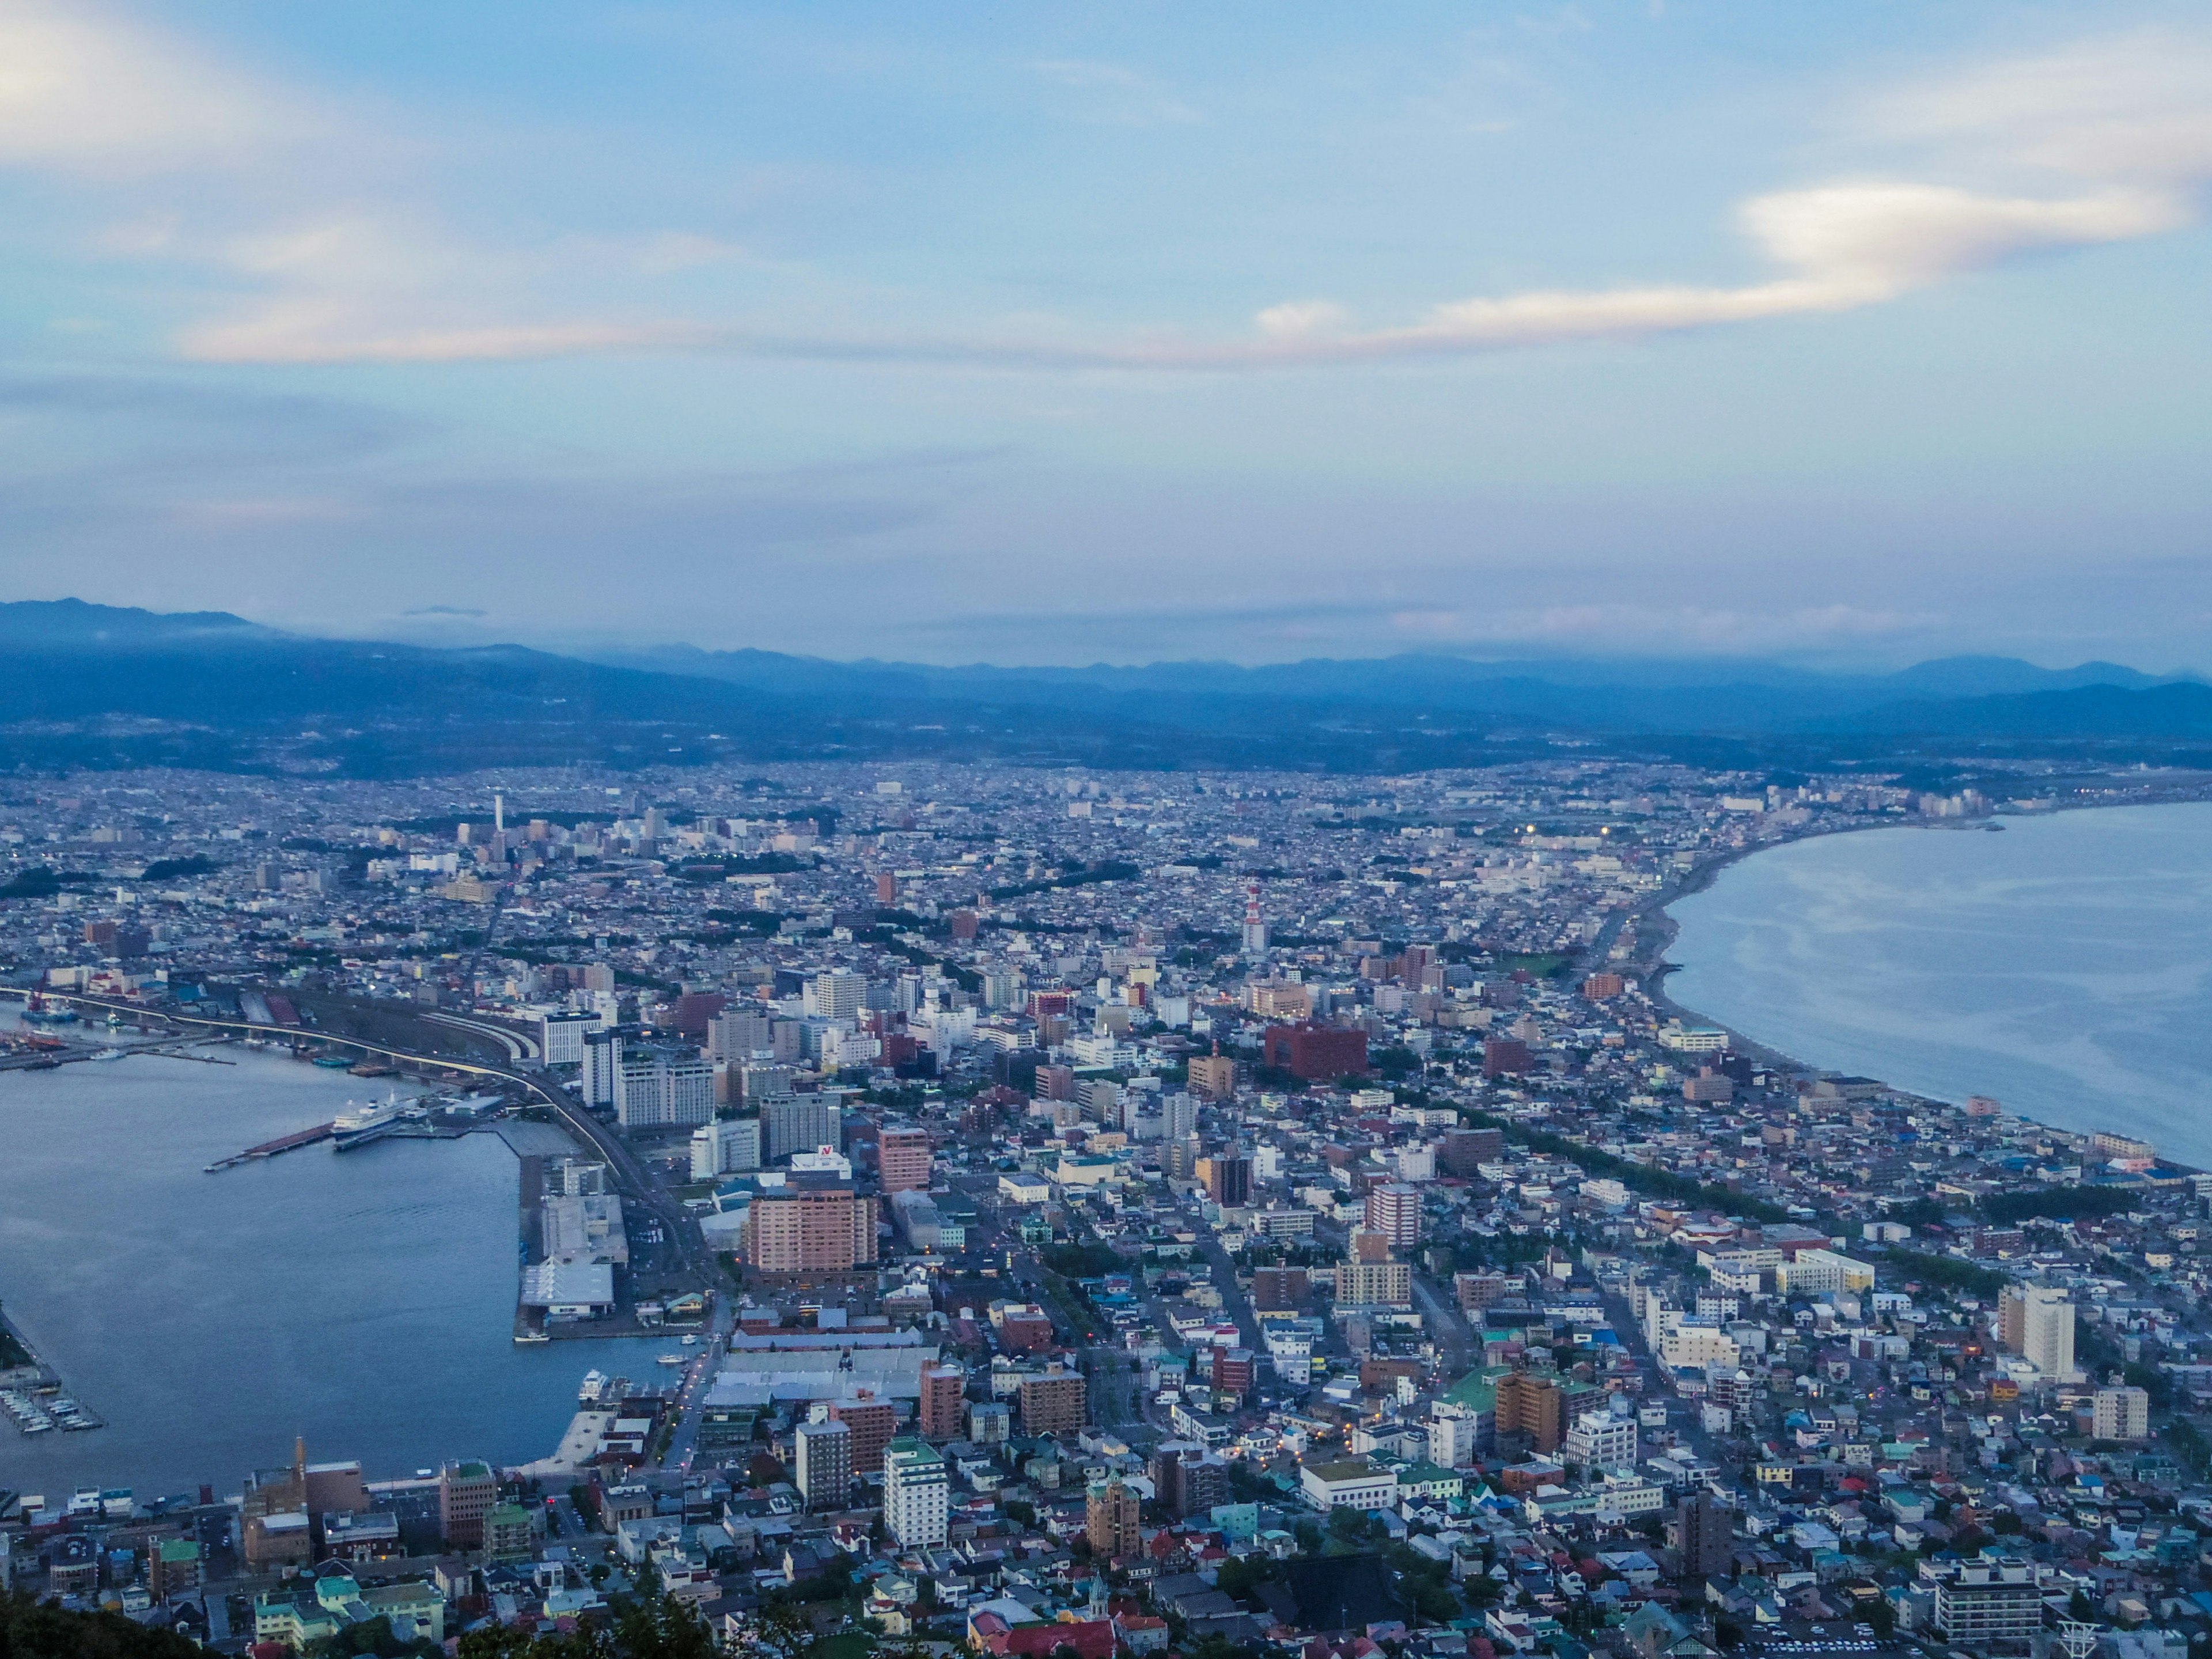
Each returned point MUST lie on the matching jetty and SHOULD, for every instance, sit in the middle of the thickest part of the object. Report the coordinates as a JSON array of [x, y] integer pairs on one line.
[[271, 1148]]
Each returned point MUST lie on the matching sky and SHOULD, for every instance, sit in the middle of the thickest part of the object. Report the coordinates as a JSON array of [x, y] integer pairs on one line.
[[1854, 333]]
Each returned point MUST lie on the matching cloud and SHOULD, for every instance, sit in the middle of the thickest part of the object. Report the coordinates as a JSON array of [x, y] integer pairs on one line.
[[2104, 142], [1116, 96], [1701, 627], [445, 610]]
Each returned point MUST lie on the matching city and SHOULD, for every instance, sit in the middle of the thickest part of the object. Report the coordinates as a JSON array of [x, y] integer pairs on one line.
[[1223, 1211]]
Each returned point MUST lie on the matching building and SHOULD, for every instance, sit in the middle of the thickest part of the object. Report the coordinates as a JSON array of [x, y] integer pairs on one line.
[[1351, 1483], [1602, 1441], [917, 1496], [903, 1160], [800, 1123], [603, 1054], [466, 1493], [944, 1389], [1187, 1480], [840, 993], [1213, 1077], [510, 1531], [1280, 1289], [737, 1034], [810, 1228], [1393, 1210], [1316, 1053], [1978, 1606], [1375, 1284], [1601, 987], [1110, 1520], [174, 1569], [1704, 1537], [663, 1086], [1821, 1273], [2036, 1321], [873, 1422], [2121, 1414], [1466, 1151], [824, 1456], [1235, 1371], [560, 1036], [1505, 1056], [1532, 1407], [1059, 1402], [1227, 1179], [728, 1145]]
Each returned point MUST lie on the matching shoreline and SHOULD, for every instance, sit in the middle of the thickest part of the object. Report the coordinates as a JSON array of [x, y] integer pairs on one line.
[[1655, 922]]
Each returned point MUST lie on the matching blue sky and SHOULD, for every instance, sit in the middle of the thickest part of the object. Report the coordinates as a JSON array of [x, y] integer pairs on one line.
[[1854, 332]]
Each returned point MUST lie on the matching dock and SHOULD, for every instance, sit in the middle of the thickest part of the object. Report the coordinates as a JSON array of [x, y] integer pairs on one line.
[[271, 1148]]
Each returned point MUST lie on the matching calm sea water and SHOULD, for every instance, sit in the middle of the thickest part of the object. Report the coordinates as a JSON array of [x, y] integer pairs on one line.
[[2063, 966], [365, 1301]]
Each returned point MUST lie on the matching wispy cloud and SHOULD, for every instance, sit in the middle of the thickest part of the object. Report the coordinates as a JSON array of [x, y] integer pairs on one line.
[[2107, 141]]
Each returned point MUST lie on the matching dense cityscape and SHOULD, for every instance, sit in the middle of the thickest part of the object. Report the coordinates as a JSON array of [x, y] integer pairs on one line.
[[1224, 1213]]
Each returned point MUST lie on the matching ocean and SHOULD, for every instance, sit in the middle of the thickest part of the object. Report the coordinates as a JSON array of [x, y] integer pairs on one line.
[[363, 1300], [2063, 966]]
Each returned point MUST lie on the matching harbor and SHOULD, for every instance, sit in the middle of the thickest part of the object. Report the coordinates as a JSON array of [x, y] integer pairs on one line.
[[32, 1396]]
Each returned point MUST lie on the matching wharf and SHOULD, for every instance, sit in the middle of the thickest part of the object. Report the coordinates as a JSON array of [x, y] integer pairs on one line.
[[31, 1393], [529, 1246], [271, 1148]]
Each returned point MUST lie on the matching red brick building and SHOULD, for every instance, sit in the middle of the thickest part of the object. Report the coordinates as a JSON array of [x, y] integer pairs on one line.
[[1316, 1053]]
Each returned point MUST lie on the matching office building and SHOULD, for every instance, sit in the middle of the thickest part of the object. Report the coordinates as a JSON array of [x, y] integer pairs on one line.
[[809, 1227], [917, 1496], [466, 1493], [1531, 1406], [560, 1035], [736, 1035], [1466, 1151], [1110, 1520], [903, 1160], [602, 1052], [1178, 1117], [2036, 1321], [1375, 1284], [944, 1395], [1393, 1210], [824, 1456], [801, 1123], [1316, 1053]]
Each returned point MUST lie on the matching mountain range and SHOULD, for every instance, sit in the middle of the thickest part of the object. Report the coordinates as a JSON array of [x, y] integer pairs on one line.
[[84, 684]]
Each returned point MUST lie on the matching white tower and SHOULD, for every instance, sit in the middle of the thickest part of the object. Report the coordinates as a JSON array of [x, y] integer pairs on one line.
[[1256, 925]]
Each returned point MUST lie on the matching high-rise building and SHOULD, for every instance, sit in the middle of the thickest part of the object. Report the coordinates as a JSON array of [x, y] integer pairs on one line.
[[810, 1226], [1235, 1371], [1531, 1405], [1110, 1520], [1178, 1117], [663, 1086], [466, 1492], [603, 1054], [560, 1035], [2121, 1414], [1468, 1150], [903, 1160], [1227, 1179], [917, 1497], [1504, 1056], [800, 1123], [1280, 1290], [1316, 1053], [1186, 1480], [2036, 1321], [873, 1422], [1704, 1537], [737, 1034], [1059, 1402], [840, 993], [944, 1393], [1979, 1606], [824, 1456], [1393, 1210], [726, 1146], [1375, 1284]]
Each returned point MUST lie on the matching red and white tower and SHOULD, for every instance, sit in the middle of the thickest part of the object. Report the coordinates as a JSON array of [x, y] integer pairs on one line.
[[1256, 925]]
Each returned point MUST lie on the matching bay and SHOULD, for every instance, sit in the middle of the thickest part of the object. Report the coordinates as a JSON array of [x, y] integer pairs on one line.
[[2063, 966], [364, 1300]]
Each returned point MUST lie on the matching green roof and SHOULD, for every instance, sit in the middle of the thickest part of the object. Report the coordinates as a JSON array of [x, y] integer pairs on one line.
[[1478, 1390]]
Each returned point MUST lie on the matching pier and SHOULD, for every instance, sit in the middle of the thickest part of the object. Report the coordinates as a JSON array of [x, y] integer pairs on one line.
[[271, 1148]]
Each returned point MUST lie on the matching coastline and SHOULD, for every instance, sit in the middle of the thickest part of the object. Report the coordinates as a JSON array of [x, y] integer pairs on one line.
[[1657, 931]]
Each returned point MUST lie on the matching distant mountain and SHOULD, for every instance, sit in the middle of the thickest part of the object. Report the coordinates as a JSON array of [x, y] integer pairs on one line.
[[94, 685]]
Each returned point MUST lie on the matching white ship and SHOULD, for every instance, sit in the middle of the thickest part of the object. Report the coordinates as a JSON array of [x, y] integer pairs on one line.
[[594, 1383], [357, 1125]]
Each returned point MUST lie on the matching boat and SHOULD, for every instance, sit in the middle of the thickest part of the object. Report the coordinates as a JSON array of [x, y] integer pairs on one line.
[[595, 1384], [691, 1342], [673, 1359], [358, 1125], [109, 1053], [333, 1062]]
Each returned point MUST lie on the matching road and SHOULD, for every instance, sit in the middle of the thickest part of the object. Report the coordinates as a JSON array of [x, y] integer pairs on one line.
[[1447, 1325]]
